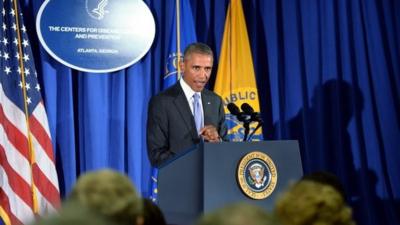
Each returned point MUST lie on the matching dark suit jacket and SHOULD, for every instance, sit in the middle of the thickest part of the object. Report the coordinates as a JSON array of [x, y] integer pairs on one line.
[[170, 123]]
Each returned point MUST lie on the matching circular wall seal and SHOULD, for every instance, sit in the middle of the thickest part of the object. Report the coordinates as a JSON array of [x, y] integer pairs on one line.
[[97, 36], [257, 175]]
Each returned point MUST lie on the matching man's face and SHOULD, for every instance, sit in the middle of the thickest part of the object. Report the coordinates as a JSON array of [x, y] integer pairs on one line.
[[196, 70]]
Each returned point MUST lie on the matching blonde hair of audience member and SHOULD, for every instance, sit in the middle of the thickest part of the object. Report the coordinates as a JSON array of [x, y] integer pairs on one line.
[[313, 203], [110, 194], [74, 214], [238, 214]]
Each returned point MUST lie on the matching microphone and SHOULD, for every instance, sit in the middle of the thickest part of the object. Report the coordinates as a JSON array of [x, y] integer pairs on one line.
[[243, 117], [254, 116], [234, 110]]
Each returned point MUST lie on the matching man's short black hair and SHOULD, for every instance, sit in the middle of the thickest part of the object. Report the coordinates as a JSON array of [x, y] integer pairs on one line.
[[199, 48]]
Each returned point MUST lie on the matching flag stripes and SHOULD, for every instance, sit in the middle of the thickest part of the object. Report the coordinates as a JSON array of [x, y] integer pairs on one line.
[[5, 211], [18, 184], [17, 210]]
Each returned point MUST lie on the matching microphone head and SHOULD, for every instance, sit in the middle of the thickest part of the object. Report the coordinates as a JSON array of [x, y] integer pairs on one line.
[[246, 108], [233, 109]]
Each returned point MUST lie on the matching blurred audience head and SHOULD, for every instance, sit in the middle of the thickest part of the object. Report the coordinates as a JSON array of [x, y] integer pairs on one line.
[[327, 178], [109, 193], [238, 214], [152, 214], [313, 203], [74, 214]]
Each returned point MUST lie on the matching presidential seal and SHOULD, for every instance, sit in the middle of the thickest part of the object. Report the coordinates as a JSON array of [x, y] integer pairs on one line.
[[257, 175]]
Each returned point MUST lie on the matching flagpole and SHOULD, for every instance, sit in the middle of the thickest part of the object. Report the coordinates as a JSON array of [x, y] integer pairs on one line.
[[178, 37], [230, 48], [22, 69]]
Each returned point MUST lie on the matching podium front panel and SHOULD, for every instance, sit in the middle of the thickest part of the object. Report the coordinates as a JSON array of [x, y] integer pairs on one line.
[[220, 171], [205, 178], [180, 192]]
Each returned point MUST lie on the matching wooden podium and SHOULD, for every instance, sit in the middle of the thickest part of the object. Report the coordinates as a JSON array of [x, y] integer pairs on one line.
[[205, 177]]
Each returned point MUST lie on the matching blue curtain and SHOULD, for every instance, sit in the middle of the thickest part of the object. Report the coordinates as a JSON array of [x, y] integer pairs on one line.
[[327, 72]]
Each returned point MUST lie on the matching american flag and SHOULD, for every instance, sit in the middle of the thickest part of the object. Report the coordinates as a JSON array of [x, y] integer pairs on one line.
[[28, 178]]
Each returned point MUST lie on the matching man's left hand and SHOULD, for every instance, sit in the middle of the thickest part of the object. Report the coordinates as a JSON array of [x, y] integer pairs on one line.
[[210, 133]]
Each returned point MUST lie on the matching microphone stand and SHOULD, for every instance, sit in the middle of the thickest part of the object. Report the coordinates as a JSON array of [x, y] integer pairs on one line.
[[246, 125], [257, 127]]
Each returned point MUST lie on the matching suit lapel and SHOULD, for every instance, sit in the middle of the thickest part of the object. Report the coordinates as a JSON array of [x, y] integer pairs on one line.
[[207, 106], [183, 108]]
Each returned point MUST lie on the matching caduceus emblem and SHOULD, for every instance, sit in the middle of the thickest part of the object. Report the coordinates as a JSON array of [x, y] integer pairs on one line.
[[96, 9]]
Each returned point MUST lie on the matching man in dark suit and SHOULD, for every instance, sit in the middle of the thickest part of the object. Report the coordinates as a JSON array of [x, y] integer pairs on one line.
[[175, 122]]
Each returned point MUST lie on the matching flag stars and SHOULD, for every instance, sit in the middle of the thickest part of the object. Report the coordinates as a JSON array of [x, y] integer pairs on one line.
[[5, 41], [6, 56], [7, 70], [26, 57], [25, 43], [17, 67], [12, 12], [27, 72]]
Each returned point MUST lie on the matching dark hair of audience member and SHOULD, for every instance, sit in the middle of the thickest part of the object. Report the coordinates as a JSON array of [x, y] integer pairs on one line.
[[152, 214]]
